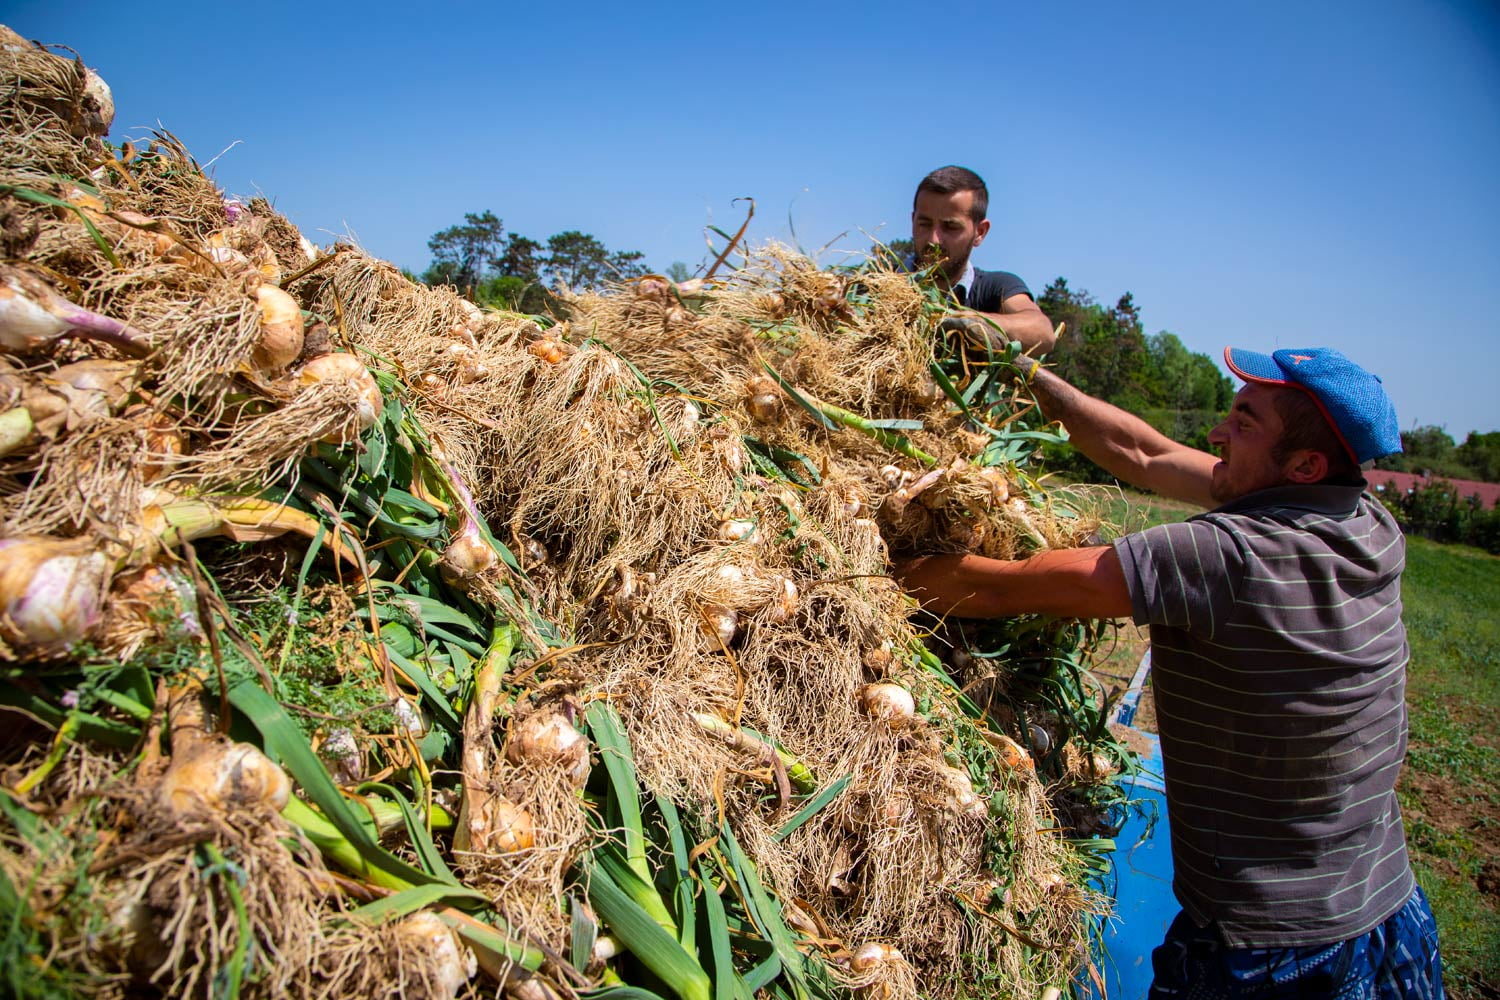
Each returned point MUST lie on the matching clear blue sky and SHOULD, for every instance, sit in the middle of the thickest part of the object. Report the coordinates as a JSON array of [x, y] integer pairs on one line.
[[1273, 174]]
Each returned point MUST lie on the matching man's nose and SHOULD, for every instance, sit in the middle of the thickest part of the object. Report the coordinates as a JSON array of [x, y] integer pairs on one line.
[[1217, 437]]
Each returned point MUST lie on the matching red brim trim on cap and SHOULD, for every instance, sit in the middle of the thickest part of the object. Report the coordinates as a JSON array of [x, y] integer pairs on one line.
[[1229, 360], [1327, 417]]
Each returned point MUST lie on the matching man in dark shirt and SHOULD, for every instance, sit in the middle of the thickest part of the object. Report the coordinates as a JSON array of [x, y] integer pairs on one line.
[[1279, 662], [947, 222]]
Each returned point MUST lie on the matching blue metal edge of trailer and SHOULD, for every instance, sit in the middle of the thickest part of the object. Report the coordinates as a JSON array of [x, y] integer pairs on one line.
[[1140, 877]]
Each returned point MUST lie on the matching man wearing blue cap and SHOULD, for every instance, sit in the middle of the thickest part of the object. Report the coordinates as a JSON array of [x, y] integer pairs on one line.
[[1278, 668]]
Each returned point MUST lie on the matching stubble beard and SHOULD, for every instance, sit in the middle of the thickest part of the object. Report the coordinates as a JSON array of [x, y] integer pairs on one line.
[[1220, 488], [951, 268], [1218, 485]]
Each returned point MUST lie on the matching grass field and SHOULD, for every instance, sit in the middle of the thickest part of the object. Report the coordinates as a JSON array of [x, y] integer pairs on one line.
[[1450, 787]]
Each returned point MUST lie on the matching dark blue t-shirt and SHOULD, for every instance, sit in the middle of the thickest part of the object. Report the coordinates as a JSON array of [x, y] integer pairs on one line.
[[991, 288]]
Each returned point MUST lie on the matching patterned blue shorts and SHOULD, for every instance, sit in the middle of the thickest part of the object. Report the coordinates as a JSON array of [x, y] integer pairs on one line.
[[1398, 960]]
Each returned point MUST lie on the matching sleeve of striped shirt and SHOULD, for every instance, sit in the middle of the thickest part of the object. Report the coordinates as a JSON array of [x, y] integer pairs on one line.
[[1182, 575]]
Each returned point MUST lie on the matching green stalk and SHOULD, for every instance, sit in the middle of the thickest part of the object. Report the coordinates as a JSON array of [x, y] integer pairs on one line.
[[497, 945], [619, 763], [235, 970], [797, 772], [658, 949], [389, 817], [831, 414], [243, 519], [335, 846], [891, 439], [641, 891], [478, 730], [65, 734], [124, 703]]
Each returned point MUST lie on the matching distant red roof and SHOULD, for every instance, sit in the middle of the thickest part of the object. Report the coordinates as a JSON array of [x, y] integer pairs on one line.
[[1405, 482]]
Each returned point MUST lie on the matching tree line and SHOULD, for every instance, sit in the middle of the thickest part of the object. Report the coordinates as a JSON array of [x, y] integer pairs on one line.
[[1106, 352], [1432, 451], [511, 271], [1437, 511]]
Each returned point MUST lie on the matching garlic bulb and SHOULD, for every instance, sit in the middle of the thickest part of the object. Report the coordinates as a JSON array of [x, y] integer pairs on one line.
[[547, 739], [512, 827], [889, 702], [873, 955], [348, 370], [467, 366], [772, 303], [719, 623], [960, 796], [280, 341], [852, 500], [628, 592], [98, 93], [32, 316], [443, 961], [998, 484], [221, 776], [687, 426], [879, 659], [549, 350], [653, 287], [784, 605], [1040, 738], [736, 530], [763, 399], [729, 582], [51, 592], [729, 448], [763, 409], [534, 553], [893, 810], [165, 443], [468, 556], [1010, 751]]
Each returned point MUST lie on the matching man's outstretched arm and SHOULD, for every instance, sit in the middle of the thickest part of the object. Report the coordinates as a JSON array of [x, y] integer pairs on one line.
[[1068, 583], [1124, 444]]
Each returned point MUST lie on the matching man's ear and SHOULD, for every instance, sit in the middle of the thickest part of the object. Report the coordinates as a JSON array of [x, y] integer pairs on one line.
[[980, 231], [1306, 466]]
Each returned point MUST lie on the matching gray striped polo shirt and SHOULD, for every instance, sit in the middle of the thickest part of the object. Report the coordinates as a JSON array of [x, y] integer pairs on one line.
[[1278, 663]]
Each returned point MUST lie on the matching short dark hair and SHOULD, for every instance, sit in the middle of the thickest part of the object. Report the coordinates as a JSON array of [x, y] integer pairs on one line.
[[1304, 425], [950, 179]]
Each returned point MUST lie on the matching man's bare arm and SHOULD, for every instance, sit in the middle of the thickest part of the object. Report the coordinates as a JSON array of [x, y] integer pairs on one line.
[[1125, 445], [1020, 318], [1071, 583]]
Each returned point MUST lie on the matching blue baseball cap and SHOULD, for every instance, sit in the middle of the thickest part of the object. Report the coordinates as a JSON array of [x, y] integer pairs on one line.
[[1351, 398]]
